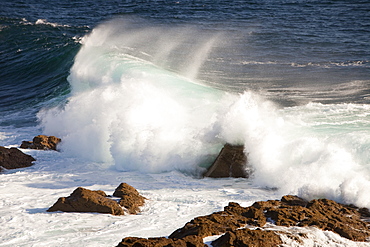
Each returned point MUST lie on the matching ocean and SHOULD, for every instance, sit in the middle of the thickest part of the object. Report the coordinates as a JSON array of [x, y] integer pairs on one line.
[[147, 92]]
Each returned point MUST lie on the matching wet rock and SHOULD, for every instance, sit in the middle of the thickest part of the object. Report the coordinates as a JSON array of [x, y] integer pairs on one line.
[[13, 158], [190, 241], [231, 162], [42, 142], [289, 211], [130, 198], [84, 200], [294, 201], [247, 237], [209, 225], [338, 218]]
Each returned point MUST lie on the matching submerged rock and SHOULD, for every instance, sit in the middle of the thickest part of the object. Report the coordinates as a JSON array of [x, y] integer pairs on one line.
[[42, 142], [13, 158], [231, 162], [130, 198], [84, 200]]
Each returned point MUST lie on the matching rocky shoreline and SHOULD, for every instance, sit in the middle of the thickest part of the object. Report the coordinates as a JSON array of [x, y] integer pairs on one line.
[[233, 226], [243, 226]]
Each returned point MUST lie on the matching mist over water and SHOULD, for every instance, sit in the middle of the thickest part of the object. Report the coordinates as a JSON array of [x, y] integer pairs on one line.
[[136, 104]]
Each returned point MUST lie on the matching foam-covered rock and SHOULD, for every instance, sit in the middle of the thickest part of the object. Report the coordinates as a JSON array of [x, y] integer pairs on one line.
[[42, 142], [231, 162], [13, 158], [130, 198], [84, 200]]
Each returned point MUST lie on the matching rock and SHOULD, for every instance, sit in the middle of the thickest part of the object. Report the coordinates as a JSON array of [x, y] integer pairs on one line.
[[130, 198], [247, 237], [338, 218], [190, 241], [213, 224], [12, 158], [42, 142], [84, 200], [231, 223], [294, 201], [231, 162], [289, 211]]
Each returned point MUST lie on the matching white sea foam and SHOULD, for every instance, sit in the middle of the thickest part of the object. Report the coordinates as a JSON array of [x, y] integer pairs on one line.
[[127, 111], [364, 63], [45, 22], [174, 199]]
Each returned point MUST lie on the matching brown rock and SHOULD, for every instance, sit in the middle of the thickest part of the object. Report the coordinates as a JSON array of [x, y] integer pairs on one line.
[[84, 200], [12, 158], [190, 241], [130, 198], [42, 142], [213, 224], [289, 211], [231, 162], [246, 237], [294, 201], [338, 218]]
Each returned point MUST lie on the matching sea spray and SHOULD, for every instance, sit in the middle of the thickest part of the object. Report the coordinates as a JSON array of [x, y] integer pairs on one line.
[[128, 111], [314, 150], [133, 106]]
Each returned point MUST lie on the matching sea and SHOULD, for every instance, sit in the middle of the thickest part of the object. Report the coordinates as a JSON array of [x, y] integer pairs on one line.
[[147, 92]]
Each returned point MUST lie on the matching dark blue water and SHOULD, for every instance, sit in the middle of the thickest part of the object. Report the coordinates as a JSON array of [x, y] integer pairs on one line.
[[291, 52]]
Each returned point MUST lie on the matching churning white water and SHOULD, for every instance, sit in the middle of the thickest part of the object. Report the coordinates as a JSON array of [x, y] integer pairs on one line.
[[138, 114], [129, 112]]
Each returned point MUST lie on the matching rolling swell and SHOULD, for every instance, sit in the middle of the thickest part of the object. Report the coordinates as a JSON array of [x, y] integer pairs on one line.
[[35, 61]]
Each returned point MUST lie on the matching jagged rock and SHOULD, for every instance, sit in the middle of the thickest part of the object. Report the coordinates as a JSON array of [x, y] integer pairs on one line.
[[233, 217], [247, 237], [12, 158], [294, 201], [190, 241], [209, 225], [231, 162], [345, 220], [289, 211], [84, 200], [42, 142], [130, 198]]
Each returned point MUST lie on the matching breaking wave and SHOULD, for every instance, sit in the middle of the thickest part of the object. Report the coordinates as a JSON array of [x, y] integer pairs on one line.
[[136, 104]]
